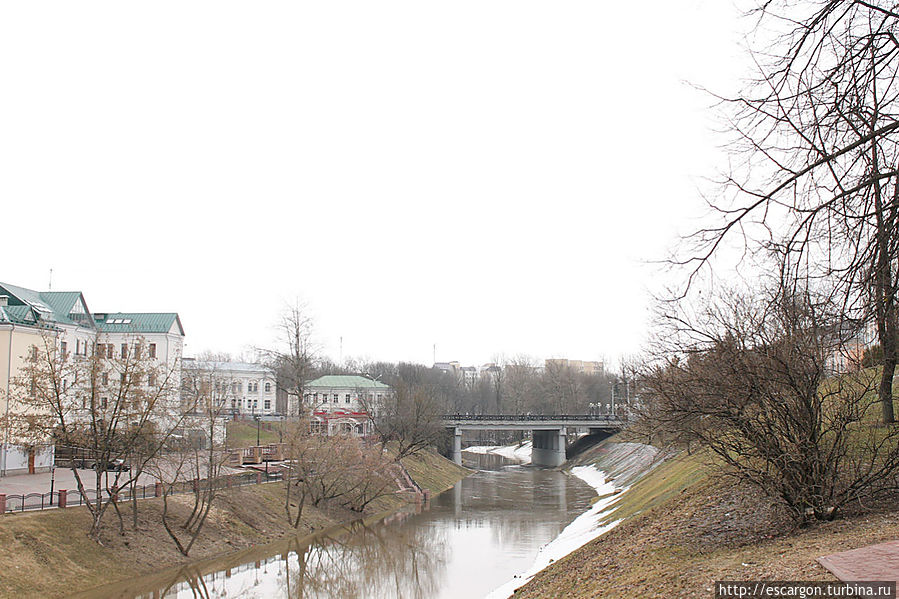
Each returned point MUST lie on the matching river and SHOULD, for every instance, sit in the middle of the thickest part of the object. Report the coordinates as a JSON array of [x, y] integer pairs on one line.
[[466, 542]]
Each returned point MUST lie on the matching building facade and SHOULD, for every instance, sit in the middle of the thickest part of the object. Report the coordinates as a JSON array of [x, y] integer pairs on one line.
[[244, 389], [60, 321], [344, 404]]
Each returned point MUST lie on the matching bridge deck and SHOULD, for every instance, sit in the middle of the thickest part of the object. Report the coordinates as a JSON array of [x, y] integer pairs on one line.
[[532, 421]]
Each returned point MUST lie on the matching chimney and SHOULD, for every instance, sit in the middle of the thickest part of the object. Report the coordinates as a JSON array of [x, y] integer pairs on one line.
[[4, 300]]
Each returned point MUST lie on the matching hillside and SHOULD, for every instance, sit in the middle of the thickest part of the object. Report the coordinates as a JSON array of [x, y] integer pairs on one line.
[[682, 530]]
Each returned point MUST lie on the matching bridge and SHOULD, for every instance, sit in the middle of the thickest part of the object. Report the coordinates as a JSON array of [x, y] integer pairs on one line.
[[547, 430]]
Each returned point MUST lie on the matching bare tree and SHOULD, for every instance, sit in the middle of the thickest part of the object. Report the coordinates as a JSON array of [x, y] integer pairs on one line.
[[815, 176], [111, 406], [408, 416], [745, 377], [294, 363], [340, 469]]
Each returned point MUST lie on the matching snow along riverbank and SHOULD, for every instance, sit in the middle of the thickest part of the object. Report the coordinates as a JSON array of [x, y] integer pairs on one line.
[[582, 529], [520, 453]]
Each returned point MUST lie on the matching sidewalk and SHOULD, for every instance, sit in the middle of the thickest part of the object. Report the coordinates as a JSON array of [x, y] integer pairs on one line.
[[20, 484], [875, 562]]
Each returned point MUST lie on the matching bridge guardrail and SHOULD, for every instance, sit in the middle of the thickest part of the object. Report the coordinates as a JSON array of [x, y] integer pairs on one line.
[[534, 417]]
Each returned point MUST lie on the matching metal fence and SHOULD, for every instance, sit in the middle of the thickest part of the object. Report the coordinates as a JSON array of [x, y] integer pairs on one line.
[[41, 501]]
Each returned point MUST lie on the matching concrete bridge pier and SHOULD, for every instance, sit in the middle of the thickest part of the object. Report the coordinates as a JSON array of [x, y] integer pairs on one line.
[[457, 445], [548, 447]]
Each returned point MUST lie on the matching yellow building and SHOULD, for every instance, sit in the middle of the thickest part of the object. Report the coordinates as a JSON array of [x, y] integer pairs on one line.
[[20, 329]]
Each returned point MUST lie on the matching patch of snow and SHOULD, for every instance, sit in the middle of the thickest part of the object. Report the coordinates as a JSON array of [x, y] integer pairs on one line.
[[582, 529], [520, 453], [480, 448], [516, 452]]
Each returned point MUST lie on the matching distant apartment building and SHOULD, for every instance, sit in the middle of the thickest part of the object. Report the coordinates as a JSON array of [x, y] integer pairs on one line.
[[344, 404], [29, 319], [447, 367], [578, 366], [242, 389]]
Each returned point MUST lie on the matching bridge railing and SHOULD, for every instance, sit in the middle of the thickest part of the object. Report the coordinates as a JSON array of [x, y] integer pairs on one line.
[[534, 417]]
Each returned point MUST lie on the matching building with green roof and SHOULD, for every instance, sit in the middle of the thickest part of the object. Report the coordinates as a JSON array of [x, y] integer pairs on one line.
[[343, 404], [28, 316]]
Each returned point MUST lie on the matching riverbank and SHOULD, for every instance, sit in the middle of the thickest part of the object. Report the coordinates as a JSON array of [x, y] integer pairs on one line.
[[47, 554], [680, 530]]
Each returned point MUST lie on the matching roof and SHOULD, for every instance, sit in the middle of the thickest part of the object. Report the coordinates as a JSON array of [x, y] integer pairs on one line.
[[192, 364], [18, 315], [345, 381], [53, 306], [137, 322]]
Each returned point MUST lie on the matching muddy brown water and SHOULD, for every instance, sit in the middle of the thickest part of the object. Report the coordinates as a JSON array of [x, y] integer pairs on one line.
[[466, 542]]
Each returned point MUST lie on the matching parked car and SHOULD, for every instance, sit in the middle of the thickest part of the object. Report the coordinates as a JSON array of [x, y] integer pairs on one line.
[[117, 465]]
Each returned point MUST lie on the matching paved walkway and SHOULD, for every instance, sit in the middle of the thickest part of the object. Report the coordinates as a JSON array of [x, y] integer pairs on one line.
[[875, 562], [19, 484]]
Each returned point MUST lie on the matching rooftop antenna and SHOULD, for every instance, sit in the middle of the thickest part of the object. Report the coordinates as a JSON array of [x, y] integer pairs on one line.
[[50, 283]]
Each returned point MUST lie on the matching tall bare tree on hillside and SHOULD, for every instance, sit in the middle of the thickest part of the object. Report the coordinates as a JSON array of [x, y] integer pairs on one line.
[[816, 161]]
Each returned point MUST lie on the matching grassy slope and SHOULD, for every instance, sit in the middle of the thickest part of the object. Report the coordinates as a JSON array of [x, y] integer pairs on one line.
[[243, 434], [46, 554], [683, 530], [433, 472]]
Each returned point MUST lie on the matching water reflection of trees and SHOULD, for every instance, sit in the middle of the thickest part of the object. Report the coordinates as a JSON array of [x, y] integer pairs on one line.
[[529, 504], [405, 561]]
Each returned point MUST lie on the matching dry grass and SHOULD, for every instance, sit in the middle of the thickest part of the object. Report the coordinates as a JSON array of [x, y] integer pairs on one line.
[[47, 554], [685, 530]]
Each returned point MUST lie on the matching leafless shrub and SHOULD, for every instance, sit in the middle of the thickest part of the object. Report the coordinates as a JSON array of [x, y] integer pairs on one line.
[[745, 377]]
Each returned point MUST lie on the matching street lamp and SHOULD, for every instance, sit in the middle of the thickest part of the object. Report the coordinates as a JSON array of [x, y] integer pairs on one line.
[[52, 478], [257, 418]]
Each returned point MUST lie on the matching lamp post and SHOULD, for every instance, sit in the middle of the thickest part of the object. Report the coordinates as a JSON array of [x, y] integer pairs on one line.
[[52, 478], [257, 418]]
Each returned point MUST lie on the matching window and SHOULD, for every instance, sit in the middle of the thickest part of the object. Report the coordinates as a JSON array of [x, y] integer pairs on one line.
[[347, 398], [137, 351], [151, 380], [77, 347], [336, 397], [268, 387], [105, 378], [268, 404], [124, 350], [152, 350], [103, 403], [62, 348]]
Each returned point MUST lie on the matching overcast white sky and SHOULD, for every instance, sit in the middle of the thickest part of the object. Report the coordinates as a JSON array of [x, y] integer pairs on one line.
[[483, 175]]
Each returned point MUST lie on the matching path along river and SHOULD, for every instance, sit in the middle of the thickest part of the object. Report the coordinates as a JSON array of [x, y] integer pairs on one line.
[[468, 542]]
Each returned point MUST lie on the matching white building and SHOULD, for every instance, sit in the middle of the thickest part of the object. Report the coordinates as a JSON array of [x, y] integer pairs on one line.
[[246, 389], [343, 403]]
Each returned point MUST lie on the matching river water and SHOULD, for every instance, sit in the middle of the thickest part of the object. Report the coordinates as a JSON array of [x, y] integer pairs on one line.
[[466, 542]]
